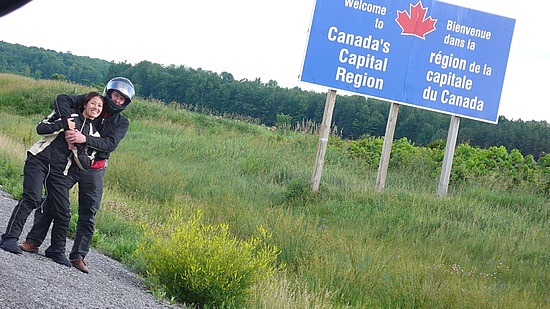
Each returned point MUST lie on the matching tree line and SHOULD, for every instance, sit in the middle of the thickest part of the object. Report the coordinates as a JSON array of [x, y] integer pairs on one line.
[[354, 116]]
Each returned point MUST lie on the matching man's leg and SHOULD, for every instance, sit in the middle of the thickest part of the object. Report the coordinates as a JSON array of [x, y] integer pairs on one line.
[[90, 191]]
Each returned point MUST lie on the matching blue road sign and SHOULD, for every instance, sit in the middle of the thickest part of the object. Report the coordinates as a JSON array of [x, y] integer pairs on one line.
[[427, 54]]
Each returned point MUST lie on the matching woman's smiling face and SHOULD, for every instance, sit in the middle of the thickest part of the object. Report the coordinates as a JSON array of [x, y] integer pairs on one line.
[[93, 108]]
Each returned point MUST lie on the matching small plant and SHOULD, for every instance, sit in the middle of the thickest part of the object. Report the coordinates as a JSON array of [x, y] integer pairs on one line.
[[299, 192], [205, 265], [284, 122]]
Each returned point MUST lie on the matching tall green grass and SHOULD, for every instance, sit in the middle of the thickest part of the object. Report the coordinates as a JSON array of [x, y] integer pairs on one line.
[[344, 246]]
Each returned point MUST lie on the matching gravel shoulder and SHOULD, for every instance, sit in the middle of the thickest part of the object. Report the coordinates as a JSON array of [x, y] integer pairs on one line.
[[31, 280]]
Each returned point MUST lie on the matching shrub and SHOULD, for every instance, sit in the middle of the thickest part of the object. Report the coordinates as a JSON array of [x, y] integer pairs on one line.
[[368, 148], [299, 192], [205, 265], [493, 166]]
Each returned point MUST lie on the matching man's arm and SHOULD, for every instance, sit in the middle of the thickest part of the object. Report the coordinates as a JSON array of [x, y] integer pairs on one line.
[[65, 104], [111, 136], [114, 132]]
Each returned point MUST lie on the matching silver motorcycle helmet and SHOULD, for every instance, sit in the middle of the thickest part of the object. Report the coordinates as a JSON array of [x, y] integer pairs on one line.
[[125, 87]]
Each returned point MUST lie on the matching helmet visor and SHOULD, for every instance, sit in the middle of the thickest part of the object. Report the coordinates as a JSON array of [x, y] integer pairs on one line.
[[123, 87]]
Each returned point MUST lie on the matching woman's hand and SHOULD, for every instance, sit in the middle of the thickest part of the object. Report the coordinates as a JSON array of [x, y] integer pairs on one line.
[[70, 123], [75, 137]]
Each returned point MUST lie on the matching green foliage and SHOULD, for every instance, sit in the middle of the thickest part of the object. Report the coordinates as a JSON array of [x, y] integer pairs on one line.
[[40, 63], [497, 166], [543, 178], [283, 122], [368, 149], [508, 169], [402, 151], [545, 161], [205, 265], [61, 77]]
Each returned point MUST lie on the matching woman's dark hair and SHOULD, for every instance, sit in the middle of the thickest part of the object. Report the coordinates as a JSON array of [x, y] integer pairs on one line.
[[88, 96]]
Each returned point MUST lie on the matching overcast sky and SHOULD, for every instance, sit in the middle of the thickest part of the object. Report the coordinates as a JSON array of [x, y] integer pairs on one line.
[[251, 39]]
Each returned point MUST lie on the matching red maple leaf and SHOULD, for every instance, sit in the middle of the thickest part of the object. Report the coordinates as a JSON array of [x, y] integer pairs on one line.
[[416, 23]]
